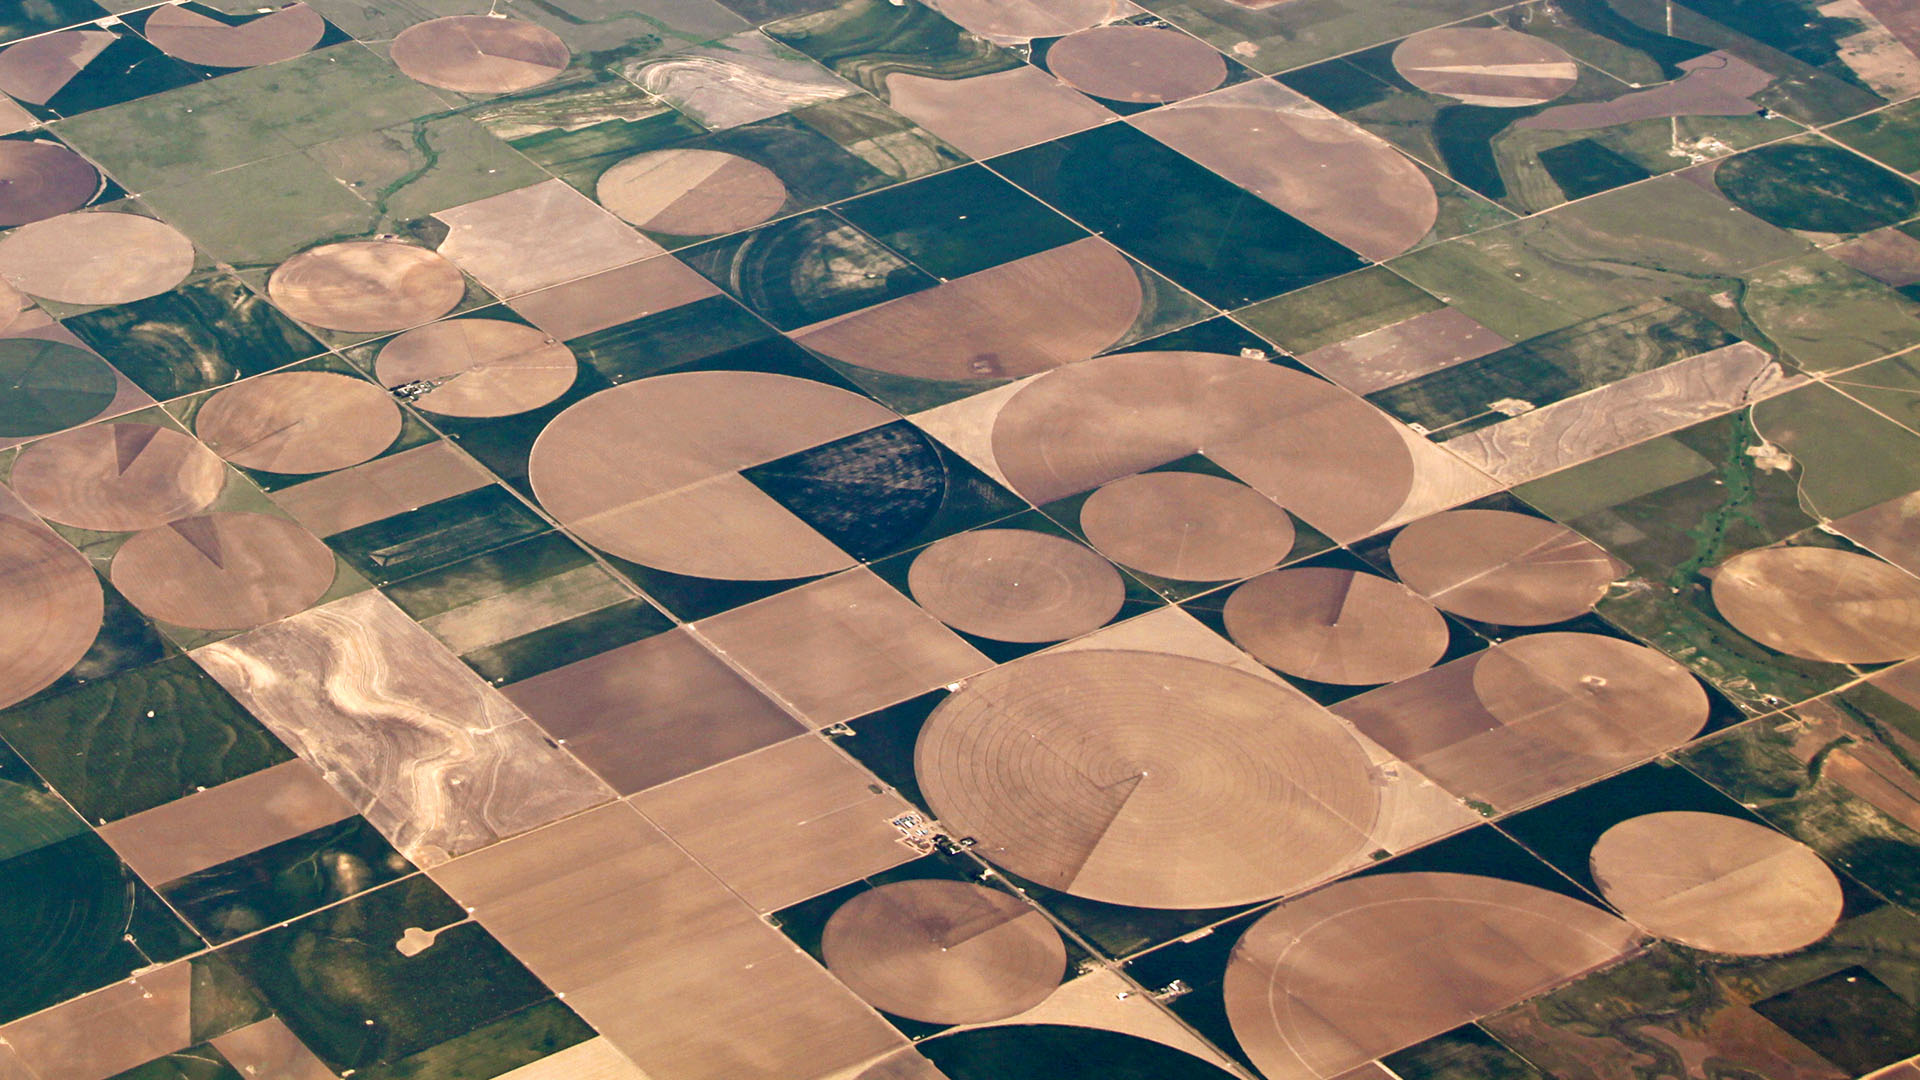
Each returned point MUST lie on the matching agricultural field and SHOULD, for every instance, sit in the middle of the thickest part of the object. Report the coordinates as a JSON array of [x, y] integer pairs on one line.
[[959, 540]]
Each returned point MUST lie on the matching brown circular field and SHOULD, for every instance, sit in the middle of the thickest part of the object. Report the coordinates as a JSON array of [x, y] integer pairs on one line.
[[1147, 779], [367, 286], [1717, 883], [228, 571], [944, 952], [691, 192], [1304, 443], [1592, 696], [1187, 526], [12, 303], [1502, 567], [1014, 21], [37, 69], [53, 608], [188, 35], [648, 471], [1821, 604], [482, 367], [1034, 314], [1370, 965], [1016, 585], [480, 54], [96, 258], [1498, 68], [299, 422], [1336, 626], [1136, 63], [118, 477], [1343, 181], [41, 179]]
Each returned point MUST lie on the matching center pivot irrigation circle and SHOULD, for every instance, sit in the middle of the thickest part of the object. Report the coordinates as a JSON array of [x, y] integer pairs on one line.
[[1147, 779]]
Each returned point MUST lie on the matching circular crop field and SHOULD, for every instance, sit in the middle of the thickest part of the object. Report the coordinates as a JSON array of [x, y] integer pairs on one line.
[[1817, 189], [1148, 780]]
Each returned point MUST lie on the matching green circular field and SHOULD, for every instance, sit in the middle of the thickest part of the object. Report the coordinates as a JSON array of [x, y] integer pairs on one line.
[[46, 386], [1817, 189], [1052, 1052]]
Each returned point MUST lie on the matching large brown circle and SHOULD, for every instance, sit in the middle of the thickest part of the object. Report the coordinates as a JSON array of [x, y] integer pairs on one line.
[[690, 192], [1016, 585], [1310, 446], [1309, 163], [480, 367], [37, 69], [118, 477], [1136, 63], [944, 952], [53, 607], [1484, 66], [1501, 567], [1337, 626], [1187, 526], [1015, 21], [479, 54], [299, 422], [1717, 882], [1370, 965], [41, 179], [1034, 314], [648, 471], [1821, 604], [227, 571], [1147, 779], [367, 286], [186, 34], [1594, 696], [96, 258]]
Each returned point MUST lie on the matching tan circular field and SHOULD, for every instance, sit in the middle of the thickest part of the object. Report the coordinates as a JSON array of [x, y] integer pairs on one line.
[[691, 192], [1013, 21], [227, 571], [188, 35], [367, 286], [1592, 696], [1336, 626], [12, 303], [1501, 567], [1717, 883], [1306, 444], [1034, 314], [118, 477], [944, 952], [41, 179], [1016, 585], [1319, 167], [482, 367], [480, 54], [1370, 965], [35, 70], [649, 471], [1497, 68], [299, 422], [1147, 779], [1187, 526], [53, 606], [1136, 63], [96, 258], [1821, 604]]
